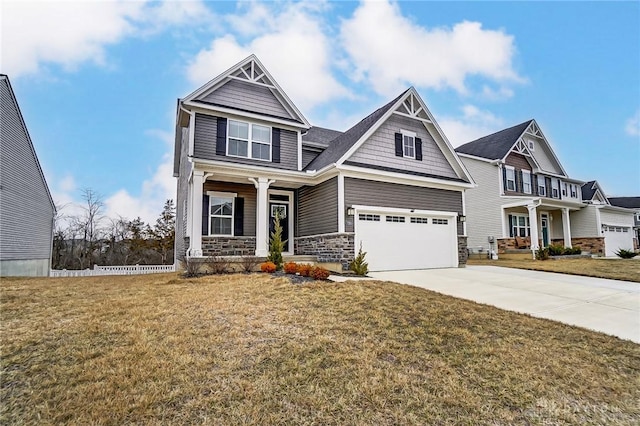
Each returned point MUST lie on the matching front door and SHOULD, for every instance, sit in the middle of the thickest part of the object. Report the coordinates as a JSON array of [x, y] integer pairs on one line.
[[544, 224], [282, 211]]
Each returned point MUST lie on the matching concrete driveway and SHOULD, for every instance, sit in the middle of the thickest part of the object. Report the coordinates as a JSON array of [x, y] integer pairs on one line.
[[607, 306]]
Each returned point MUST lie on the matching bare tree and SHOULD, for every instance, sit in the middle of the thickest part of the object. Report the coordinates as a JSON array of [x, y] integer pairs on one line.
[[89, 226]]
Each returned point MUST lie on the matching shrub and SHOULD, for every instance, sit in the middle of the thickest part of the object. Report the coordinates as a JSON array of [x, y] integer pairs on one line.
[[249, 263], [217, 264], [304, 269], [276, 245], [268, 267], [319, 273], [191, 267], [359, 266], [626, 254], [556, 250], [290, 268], [573, 250], [542, 254]]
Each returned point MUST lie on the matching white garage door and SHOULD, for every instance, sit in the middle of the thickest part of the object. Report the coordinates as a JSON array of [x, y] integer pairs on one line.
[[395, 241], [617, 237]]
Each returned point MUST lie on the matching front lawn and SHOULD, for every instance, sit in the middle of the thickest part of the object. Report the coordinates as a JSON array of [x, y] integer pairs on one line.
[[616, 269], [249, 349]]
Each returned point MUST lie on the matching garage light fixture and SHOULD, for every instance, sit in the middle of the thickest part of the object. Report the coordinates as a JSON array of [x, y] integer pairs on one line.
[[462, 218], [351, 211]]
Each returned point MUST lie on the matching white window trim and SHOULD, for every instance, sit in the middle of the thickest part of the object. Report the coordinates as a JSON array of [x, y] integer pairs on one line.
[[250, 141], [412, 135], [526, 174], [231, 195], [513, 170], [527, 225]]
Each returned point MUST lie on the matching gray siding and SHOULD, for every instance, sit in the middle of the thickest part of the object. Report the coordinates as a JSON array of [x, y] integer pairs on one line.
[[248, 192], [182, 209], [379, 149], [308, 156], [383, 194], [247, 97], [584, 222], [317, 209], [543, 156], [26, 211], [204, 146]]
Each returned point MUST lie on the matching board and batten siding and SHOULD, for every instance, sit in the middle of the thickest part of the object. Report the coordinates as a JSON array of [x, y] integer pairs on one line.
[[26, 211], [248, 192], [247, 97], [379, 149], [584, 222], [317, 209], [204, 146], [383, 194], [483, 204]]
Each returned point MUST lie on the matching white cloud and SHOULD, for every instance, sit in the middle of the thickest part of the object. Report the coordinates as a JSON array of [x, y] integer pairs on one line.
[[299, 54], [37, 34], [390, 51], [632, 127], [472, 124]]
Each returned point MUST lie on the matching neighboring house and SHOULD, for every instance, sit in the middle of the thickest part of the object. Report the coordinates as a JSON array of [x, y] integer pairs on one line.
[[244, 151], [524, 191], [26, 207], [632, 203]]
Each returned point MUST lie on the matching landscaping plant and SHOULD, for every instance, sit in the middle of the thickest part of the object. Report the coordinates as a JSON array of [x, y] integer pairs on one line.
[[319, 273], [626, 254], [268, 267], [217, 265], [542, 254], [276, 245], [190, 266], [290, 268], [304, 269], [359, 265], [249, 263]]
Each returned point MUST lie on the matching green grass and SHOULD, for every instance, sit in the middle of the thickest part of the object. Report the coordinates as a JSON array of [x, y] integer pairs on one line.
[[249, 349]]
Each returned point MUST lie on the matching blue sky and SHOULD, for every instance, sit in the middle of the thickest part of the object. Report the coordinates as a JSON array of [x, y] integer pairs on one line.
[[97, 82]]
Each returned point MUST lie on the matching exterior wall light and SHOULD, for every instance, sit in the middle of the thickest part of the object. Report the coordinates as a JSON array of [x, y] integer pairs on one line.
[[351, 211]]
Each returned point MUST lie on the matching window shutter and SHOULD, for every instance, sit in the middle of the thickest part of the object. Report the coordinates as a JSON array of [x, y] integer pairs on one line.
[[504, 178], [238, 217], [221, 136], [399, 150], [418, 149], [534, 184], [275, 145], [205, 214], [547, 183], [511, 226], [519, 181]]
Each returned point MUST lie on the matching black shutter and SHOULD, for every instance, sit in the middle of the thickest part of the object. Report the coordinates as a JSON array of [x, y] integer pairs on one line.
[[511, 218], [205, 214], [275, 145], [519, 182], [418, 149], [504, 178], [547, 182], [238, 217], [399, 150], [534, 184], [221, 136]]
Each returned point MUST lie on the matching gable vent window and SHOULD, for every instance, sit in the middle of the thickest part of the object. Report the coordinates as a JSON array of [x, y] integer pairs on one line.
[[249, 141], [369, 217], [397, 219], [532, 146], [440, 221], [419, 220], [409, 146], [511, 179]]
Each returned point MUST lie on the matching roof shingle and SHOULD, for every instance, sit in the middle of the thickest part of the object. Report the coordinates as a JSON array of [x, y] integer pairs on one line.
[[496, 145]]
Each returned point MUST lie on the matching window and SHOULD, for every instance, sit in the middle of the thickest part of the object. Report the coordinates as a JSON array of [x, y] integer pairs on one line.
[[419, 220], [574, 191], [408, 144], [542, 186], [511, 178], [564, 189], [397, 219], [440, 221], [221, 214], [369, 217], [249, 140], [526, 182], [520, 226], [532, 146], [555, 191]]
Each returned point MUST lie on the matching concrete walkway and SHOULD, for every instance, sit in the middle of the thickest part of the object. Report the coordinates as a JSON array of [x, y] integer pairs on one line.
[[607, 306]]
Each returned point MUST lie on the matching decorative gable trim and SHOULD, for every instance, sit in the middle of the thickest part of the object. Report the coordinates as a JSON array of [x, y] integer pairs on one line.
[[522, 147], [251, 71], [413, 106]]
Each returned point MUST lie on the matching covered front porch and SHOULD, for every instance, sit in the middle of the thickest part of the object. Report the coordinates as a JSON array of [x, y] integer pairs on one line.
[[533, 223]]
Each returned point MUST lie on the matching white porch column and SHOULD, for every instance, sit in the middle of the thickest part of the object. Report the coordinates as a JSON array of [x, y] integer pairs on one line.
[[533, 226], [195, 233], [262, 215], [566, 227]]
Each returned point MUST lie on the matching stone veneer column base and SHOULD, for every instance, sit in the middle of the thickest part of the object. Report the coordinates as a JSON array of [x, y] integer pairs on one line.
[[335, 247], [462, 251], [228, 246]]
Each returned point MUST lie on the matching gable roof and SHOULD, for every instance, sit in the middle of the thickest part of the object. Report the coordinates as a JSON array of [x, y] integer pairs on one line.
[[320, 136], [626, 202], [250, 71], [4, 79], [341, 144], [496, 145], [591, 189]]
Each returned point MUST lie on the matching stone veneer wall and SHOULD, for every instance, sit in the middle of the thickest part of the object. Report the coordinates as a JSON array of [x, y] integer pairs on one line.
[[463, 254], [228, 246], [505, 244], [338, 248], [593, 244]]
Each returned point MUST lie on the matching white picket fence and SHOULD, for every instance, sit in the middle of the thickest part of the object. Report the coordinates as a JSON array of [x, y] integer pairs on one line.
[[113, 270]]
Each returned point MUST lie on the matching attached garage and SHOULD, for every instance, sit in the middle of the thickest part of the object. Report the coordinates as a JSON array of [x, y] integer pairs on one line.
[[616, 238], [399, 240]]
